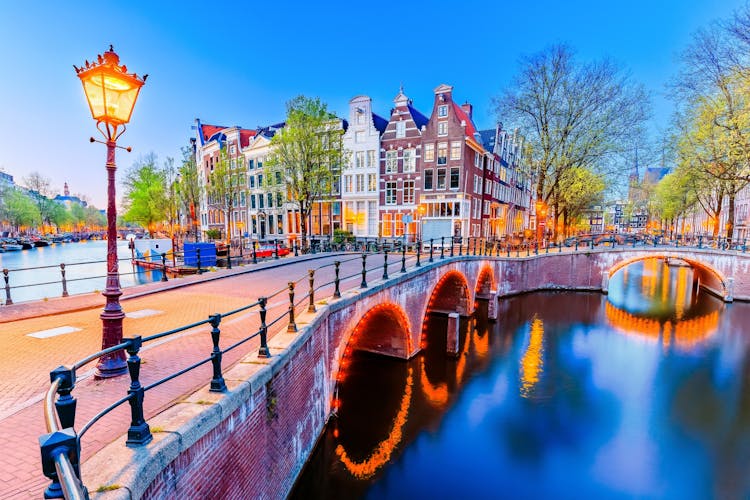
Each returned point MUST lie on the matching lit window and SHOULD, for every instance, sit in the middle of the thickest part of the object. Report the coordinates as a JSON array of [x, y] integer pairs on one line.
[[442, 155], [372, 183], [429, 152], [456, 150], [347, 183], [387, 225]]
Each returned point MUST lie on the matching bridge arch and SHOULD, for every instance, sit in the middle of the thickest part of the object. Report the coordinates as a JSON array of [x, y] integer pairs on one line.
[[450, 294], [485, 282], [383, 329], [710, 277]]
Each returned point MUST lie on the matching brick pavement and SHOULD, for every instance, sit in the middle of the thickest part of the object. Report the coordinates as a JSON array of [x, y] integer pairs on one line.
[[27, 361]]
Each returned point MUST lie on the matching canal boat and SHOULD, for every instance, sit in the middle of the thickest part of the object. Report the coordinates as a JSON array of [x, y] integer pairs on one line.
[[171, 270], [25, 244], [12, 247], [41, 243]]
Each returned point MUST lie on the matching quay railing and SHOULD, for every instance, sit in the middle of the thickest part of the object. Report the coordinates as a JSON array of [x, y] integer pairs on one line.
[[61, 445]]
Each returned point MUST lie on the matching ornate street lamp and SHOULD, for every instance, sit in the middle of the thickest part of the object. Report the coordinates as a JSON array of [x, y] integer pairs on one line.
[[111, 93]]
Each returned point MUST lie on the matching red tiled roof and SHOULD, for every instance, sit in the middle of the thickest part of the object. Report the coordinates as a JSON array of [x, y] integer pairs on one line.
[[470, 128], [245, 136], [209, 130]]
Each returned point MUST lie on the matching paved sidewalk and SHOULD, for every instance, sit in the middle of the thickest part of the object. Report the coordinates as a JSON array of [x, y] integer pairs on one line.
[[155, 307]]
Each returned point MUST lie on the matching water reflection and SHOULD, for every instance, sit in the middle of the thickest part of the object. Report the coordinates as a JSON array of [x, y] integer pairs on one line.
[[568, 395]]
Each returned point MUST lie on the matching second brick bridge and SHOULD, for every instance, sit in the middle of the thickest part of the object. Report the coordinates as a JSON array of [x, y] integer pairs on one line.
[[257, 437]]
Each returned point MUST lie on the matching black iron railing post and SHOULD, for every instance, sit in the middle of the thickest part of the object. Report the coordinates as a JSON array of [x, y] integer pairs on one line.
[[198, 260], [255, 255], [64, 281], [138, 432], [164, 267], [217, 382], [431, 250], [296, 249], [311, 281], [292, 328], [8, 300], [453, 244], [536, 248], [337, 281], [576, 244], [460, 246], [700, 241], [263, 351], [403, 259], [385, 263], [52, 445], [744, 245], [66, 403], [229, 255], [508, 249], [363, 284], [275, 249], [419, 253]]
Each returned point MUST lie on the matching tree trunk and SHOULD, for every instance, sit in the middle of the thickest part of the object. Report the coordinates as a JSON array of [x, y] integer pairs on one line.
[[303, 212], [730, 216]]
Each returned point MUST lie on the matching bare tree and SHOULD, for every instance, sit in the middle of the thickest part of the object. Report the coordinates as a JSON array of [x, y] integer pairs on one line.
[[41, 193], [575, 115]]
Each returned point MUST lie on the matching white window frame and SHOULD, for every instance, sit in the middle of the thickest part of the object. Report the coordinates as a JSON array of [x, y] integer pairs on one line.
[[442, 128], [391, 161], [410, 160]]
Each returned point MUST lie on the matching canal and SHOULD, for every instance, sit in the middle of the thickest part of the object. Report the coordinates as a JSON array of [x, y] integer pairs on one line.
[[641, 393], [34, 274]]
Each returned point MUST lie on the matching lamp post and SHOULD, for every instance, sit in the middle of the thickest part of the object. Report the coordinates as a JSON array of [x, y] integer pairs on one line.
[[111, 93]]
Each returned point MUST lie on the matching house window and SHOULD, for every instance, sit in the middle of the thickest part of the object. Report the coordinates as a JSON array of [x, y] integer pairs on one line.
[[371, 158], [442, 128], [360, 117], [252, 201], [278, 177], [410, 160], [387, 225], [428, 179], [399, 225], [408, 192], [359, 137], [279, 225], [279, 199], [270, 199], [252, 181], [441, 178], [442, 111], [456, 150], [360, 183], [372, 183], [476, 160], [429, 152], [347, 183], [391, 162], [359, 158], [442, 156], [401, 129], [390, 193], [454, 177], [251, 164], [270, 224], [486, 208], [260, 201], [233, 150]]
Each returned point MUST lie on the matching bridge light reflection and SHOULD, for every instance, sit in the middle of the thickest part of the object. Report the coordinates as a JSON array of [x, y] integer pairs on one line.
[[532, 362]]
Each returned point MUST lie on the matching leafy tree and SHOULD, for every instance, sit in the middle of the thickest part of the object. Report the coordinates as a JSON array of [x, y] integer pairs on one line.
[[145, 197], [59, 215], [41, 193], [580, 188], [574, 115], [94, 218], [226, 183], [19, 209], [308, 154], [189, 188], [673, 197]]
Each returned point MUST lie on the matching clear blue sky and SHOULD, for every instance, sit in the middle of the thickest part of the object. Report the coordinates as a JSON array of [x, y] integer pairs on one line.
[[238, 63]]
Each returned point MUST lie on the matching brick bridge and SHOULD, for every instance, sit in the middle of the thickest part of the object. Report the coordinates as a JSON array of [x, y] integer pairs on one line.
[[254, 440]]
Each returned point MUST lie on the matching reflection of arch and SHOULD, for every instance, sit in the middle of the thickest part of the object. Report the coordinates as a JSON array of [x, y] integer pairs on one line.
[[485, 282], [450, 295], [384, 329], [683, 334], [703, 270], [382, 454]]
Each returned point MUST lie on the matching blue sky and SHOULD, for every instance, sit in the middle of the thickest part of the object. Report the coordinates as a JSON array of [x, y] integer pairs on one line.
[[238, 63]]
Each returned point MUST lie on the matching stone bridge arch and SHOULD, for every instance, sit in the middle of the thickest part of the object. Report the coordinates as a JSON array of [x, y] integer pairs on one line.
[[709, 276], [384, 329], [485, 282]]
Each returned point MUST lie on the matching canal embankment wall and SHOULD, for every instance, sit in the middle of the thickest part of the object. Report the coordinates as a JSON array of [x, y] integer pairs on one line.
[[253, 440]]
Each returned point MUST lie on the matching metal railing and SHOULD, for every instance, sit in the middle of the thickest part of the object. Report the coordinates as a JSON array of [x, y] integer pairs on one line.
[[60, 447]]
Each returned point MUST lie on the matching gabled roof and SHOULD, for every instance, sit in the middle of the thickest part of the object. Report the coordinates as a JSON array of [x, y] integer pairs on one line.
[[380, 123], [245, 136], [216, 133], [420, 119], [270, 130], [208, 131]]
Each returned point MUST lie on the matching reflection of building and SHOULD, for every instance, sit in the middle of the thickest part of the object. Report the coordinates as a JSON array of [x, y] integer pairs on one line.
[[359, 179]]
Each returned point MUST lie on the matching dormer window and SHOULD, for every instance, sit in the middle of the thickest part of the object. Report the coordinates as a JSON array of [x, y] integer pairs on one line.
[[442, 111]]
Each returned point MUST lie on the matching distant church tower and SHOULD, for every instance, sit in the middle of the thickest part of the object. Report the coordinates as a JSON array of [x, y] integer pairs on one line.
[[66, 191]]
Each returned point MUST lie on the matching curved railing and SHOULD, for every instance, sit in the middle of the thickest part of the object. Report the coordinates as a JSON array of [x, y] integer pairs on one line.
[[60, 447]]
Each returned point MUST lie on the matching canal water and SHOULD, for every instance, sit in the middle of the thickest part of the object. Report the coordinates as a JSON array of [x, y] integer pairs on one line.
[[34, 274], [642, 393]]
